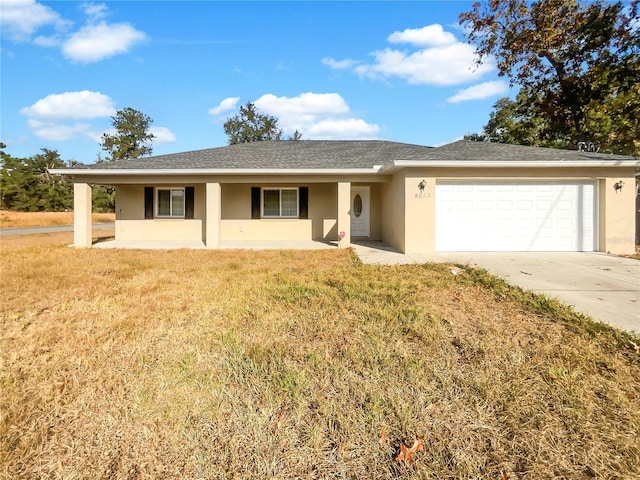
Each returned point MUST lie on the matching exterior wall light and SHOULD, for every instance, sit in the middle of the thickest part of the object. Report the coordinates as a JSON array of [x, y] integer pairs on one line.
[[618, 186], [422, 185]]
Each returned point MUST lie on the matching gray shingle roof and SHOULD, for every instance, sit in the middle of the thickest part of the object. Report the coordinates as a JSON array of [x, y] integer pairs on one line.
[[466, 150], [302, 154]]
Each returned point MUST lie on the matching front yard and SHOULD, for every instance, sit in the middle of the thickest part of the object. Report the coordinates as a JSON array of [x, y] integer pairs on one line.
[[201, 364]]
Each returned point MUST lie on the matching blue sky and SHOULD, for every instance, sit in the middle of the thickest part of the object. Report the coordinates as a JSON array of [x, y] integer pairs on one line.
[[333, 70]]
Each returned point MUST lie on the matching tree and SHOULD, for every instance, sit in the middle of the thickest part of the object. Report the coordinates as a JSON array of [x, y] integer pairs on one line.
[[578, 65], [511, 121], [27, 185], [132, 138], [250, 125]]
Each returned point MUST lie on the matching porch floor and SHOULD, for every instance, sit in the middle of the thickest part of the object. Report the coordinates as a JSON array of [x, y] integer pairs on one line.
[[229, 245], [151, 244]]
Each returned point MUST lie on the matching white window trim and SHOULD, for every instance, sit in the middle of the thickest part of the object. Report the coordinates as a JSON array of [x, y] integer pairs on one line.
[[157, 202], [297, 190]]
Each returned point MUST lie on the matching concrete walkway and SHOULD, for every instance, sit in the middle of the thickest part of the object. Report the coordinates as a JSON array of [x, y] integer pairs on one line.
[[605, 287]]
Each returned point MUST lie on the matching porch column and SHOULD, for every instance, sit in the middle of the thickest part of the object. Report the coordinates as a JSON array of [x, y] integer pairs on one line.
[[81, 215], [213, 215], [344, 213]]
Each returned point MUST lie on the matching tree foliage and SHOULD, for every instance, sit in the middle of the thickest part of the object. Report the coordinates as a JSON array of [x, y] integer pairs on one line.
[[250, 125], [577, 63], [27, 185], [132, 138]]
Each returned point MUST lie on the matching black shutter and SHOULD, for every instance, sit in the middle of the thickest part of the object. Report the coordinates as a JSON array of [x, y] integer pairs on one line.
[[303, 202], [189, 201], [255, 202], [148, 203]]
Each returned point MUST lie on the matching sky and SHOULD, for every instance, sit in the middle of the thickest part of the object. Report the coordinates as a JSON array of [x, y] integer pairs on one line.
[[399, 71]]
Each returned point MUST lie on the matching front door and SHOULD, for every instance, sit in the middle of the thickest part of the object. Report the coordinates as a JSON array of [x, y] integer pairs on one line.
[[359, 211]]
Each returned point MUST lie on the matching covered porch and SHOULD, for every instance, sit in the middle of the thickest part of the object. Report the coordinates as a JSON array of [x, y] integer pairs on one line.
[[233, 214]]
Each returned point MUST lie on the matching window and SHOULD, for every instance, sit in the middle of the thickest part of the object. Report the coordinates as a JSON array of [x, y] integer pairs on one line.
[[280, 202], [170, 202]]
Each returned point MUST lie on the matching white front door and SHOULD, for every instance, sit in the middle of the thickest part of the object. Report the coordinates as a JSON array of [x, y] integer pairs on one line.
[[359, 211]]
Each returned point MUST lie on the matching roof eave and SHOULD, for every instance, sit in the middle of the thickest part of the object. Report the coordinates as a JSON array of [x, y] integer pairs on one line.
[[215, 171], [399, 164]]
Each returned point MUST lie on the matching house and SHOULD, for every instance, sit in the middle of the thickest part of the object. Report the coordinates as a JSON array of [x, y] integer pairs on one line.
[[464, 196]]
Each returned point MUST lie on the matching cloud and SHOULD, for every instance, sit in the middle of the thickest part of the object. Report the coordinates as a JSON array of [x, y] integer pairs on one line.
[[431, 35], [346, 129], [21, 18], [94, 11], [55, 117], [71, 105], [64, 116], [50, 41], [59, 132], [339, 64], [439, 59], [162, 135], [480, 91], [224, 106], [317, 116], [93, 43]]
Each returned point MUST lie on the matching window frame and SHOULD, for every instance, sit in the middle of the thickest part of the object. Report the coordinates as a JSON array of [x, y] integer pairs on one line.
[[170, 189], [280, 190]]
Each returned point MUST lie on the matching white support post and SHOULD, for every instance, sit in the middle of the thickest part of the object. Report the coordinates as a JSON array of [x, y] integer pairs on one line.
[[344, 214], [81, 215], [213, 215]]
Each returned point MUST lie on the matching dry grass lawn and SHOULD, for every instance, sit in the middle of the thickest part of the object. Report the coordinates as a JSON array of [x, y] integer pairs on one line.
[[236, 364], [11, 219]]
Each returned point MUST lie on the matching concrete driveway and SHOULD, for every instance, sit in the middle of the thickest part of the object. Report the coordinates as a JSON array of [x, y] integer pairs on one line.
[[605, 287]]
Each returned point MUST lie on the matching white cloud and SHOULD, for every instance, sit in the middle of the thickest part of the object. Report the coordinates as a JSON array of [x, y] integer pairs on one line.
[[71, 105], [96, 42], [339, 64], [21, 18], [480, 91], [316, 116], [304, 108], [346, 129], [162, 135], [431, 35], [55, 117], [94, 11], [59, 132], [224, 106], [438, 60], [439, 66], [50, 41], [63, 116]]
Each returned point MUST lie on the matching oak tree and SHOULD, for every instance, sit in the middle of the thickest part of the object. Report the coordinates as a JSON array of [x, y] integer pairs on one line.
[[577, 63]]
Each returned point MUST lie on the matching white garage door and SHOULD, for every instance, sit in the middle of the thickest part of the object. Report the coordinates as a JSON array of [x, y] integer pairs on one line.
[[510, 216]]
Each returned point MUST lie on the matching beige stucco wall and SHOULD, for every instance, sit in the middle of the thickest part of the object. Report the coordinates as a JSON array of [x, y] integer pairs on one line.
[[393, 212], [159, 229], [235, 215], [617, 215], [401, 215], [616, 211], [238, 225], [265, 229], [131, 224]]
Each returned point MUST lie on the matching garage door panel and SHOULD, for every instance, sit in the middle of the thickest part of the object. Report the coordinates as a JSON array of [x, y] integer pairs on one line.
[[515, 216]]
